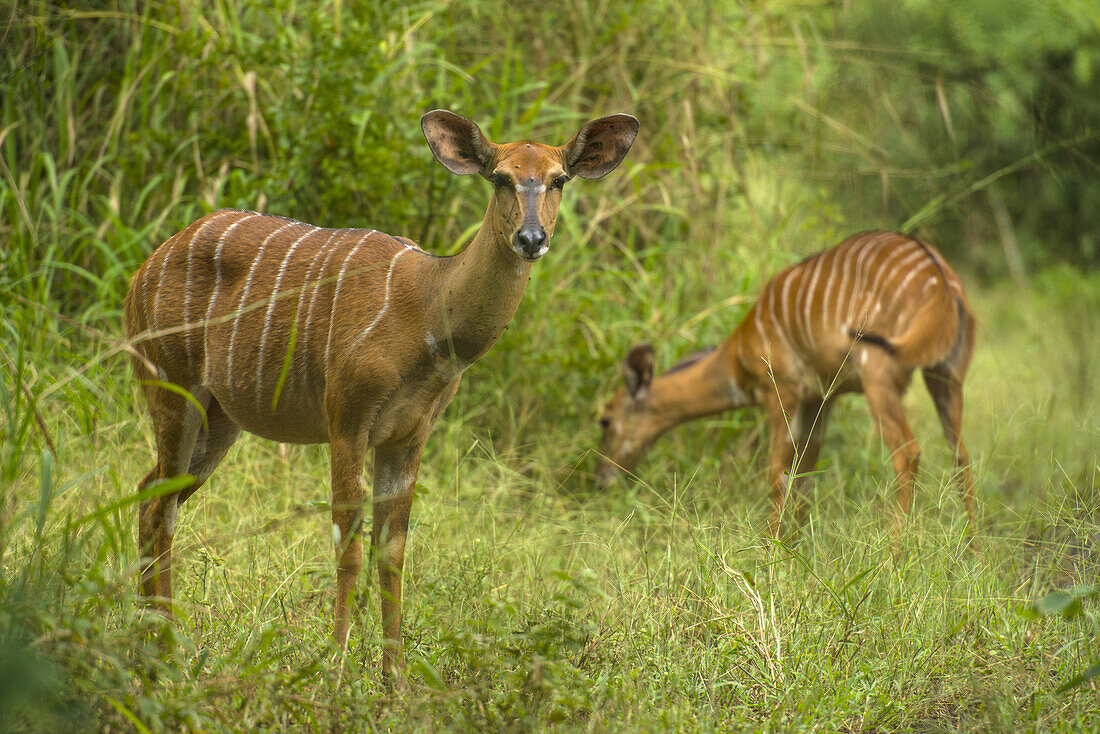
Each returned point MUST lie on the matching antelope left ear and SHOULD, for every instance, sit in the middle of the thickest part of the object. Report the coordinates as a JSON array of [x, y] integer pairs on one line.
[[638, 370], [600, 146], [457, 143]]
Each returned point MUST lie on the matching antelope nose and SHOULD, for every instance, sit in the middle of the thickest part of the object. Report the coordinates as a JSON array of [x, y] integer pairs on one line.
[[606, 476], [531, 241]]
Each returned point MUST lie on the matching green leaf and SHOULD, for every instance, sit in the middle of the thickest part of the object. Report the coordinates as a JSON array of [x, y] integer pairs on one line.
[[182, 392], [1084, 677], [428, 672], [1059, 602], [1066, 602], [158, 488], [287, 359], [45, 493]]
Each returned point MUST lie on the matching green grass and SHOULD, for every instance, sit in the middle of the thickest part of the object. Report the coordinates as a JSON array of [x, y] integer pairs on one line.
[[533, 599]]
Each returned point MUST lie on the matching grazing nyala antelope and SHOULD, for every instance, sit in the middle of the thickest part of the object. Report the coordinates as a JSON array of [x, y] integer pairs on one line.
[[858, 317], [350, 337]]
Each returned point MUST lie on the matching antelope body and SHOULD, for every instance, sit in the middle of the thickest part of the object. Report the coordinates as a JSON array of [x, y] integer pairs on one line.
[[858, 317], [350, 337]]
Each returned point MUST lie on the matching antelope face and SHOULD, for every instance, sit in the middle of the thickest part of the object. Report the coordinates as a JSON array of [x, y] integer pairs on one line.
[[527, 178], [527, 184], [628, 430], [629, 422]]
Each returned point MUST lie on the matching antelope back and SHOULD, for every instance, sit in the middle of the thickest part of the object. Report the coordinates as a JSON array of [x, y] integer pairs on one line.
[[890, 289], [238, 298]]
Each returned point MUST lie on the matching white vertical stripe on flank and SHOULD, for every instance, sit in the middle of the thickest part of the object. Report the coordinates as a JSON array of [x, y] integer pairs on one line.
[[189, 286], [780, 329], [832, 273], [166, 249], [147, 272], [769, 301], [336, 296], [830, 280], [142, 305], [303, 337], [839, 317], [159, 290], [270, 313], [317, 289], [905, 281], [909, 261], [785, 300], [796, 304], [858, 286], [217, 288], [857, 276], [801, 297], [757, 308], [386, 300], [244, 298], [808, 304], [885, 271]]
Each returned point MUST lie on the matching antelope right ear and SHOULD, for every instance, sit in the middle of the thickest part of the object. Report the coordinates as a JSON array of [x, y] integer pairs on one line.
[[456, 142], [600, 146], [638, 370]]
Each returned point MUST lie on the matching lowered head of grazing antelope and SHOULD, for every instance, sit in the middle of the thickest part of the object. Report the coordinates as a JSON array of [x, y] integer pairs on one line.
[[527, 177], [643, 408], [628, 423]]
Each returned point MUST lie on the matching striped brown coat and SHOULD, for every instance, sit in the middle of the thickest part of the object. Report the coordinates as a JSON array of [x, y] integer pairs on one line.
[[858, 317], [305, 334]]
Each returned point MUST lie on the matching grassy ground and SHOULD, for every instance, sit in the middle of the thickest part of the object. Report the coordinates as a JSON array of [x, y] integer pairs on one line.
[[534, 600]]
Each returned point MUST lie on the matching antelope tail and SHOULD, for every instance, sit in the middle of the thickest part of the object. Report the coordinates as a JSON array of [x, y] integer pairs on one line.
[[938, 330]]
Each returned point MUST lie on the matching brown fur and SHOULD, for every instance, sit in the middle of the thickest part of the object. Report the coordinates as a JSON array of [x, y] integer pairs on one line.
[[351, 337], [858, 317]]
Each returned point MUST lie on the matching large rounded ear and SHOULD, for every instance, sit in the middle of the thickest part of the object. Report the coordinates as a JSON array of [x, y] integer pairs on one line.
[[600, 146], [638, 370], [456, 142]]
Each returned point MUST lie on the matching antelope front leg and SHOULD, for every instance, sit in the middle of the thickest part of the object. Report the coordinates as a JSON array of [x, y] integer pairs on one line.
[[884, 400], [808, 430], [176, 424], [395, 471], [156, 524], [781, 456], [347, 518]]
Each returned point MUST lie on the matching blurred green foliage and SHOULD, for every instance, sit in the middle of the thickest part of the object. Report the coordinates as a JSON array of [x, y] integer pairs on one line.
[[121, 122], [991, 108]]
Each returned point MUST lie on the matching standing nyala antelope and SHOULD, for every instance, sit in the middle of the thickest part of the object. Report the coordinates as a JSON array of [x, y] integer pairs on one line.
[[350, 337], [858, 317]]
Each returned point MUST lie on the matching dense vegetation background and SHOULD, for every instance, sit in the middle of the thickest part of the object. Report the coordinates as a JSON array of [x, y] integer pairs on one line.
[[769, 130]]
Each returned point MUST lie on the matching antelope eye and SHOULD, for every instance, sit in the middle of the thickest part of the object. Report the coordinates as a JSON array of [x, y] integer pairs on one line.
[[605, 423], [500, 181], [559, 182]]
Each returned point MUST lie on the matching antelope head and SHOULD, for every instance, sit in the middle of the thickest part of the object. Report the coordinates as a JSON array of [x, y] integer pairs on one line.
[[629, 422], [527, 177]]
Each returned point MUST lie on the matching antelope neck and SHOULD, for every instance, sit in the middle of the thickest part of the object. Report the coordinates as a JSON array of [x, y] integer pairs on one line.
[[480, 290], [700, 389]]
